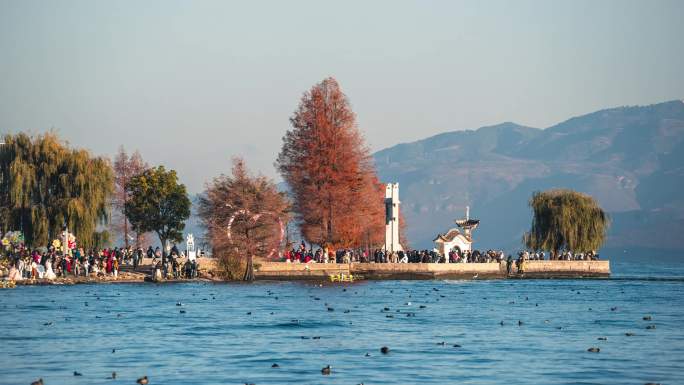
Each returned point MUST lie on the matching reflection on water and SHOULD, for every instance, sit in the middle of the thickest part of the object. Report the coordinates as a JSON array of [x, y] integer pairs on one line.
[[49, 332]]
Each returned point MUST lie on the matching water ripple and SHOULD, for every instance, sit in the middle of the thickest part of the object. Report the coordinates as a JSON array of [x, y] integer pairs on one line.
[[233, 333]]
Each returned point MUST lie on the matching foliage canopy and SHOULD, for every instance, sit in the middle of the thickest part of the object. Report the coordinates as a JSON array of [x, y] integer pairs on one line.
[[157, 202], [244, 216], [566, 219], [325, 162], [45, 185]]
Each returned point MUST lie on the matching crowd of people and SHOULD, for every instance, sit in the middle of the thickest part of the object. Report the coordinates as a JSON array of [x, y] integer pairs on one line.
[[565, 255], [172, 266], [302, 254], [50, 263]]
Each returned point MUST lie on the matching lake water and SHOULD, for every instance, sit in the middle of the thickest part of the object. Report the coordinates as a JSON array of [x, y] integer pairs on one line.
[[49, 332]]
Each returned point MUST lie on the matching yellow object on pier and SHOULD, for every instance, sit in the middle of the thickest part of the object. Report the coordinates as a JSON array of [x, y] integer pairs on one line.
[[341, 277]]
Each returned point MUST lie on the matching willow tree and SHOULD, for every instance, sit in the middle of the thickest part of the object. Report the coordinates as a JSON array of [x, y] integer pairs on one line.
[[245, 216], [566, 219], [46, 186], [327, 165]]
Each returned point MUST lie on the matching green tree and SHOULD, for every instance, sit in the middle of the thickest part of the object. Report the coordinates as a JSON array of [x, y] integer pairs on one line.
[[157, 202], [45, 185], [566, 219]]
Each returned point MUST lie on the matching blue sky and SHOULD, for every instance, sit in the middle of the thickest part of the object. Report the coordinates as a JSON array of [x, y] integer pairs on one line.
[[191, 84]]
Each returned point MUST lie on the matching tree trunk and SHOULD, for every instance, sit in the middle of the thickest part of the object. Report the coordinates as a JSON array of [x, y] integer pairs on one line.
[[249, 272], [125, 230], [125, 217], [163, 245], [330, 219]]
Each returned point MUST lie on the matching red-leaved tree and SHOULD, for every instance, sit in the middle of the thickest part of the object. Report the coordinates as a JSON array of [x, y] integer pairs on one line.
[[337, 197], [245, 216]]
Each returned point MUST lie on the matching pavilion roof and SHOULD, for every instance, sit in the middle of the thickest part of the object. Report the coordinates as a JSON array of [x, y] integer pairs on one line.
[[467, 222], [448, 236]]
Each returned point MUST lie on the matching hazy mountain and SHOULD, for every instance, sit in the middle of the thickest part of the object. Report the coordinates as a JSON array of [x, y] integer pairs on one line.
[[630, 158]]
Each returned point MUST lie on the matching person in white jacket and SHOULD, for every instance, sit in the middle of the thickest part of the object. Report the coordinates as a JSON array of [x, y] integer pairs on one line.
[[49, 274]]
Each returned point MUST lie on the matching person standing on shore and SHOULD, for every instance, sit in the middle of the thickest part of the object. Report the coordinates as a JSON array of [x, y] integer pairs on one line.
[[521, 264], [135, 259], [157, 272], [174, 265], [76, 267], [86, 267], [49, 274], [20, 267], [14, 273], [115, 268], [64, 268], [141, 255]]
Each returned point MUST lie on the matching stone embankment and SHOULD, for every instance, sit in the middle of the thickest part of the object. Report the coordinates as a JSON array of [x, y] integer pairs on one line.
[[533, 269], [373, 271]]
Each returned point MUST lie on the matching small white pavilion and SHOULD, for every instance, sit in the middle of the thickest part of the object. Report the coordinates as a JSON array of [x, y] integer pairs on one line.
[[458, 238]]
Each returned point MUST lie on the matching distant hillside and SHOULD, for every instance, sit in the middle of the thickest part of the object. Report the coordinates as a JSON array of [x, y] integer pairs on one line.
[[630, 158]]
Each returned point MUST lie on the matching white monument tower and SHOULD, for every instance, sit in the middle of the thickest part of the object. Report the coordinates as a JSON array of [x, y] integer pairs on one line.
[[392, 218]]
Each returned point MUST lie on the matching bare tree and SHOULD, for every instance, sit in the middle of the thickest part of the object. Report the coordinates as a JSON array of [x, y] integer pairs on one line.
[[125, 168]]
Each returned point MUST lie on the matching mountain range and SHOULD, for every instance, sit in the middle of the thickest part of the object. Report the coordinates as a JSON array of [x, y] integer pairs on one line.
[[631, 159]]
